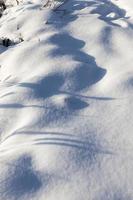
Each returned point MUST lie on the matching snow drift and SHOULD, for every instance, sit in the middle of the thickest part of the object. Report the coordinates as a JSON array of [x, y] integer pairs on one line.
[[66, 100]]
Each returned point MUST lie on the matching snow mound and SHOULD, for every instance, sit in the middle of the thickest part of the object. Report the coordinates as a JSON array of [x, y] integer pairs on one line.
[[66, 100]]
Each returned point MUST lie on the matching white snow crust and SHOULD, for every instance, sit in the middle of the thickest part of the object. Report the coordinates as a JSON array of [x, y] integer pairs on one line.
[[66, 101]]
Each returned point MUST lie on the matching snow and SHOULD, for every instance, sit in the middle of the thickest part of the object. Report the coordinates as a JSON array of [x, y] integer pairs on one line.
[[66, 100]]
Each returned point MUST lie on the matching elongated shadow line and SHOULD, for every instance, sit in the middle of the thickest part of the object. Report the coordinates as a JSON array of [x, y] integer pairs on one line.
[[88, 97], [72, 142], [46, 133], [37, 133], [69, 93], [19, 106], [92, 149], [75, 146], [62, 144], [66, 140]]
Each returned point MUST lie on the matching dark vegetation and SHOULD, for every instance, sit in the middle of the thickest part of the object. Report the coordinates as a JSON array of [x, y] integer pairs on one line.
[[2, 7]]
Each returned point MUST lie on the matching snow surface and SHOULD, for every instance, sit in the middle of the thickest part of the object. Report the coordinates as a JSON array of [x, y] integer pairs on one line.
[[66, 101]]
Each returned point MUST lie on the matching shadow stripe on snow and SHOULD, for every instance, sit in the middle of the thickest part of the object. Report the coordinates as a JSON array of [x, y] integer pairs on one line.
[[60, 139]]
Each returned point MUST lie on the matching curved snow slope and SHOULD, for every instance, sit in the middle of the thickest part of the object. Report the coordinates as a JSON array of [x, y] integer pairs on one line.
[[66, 101]]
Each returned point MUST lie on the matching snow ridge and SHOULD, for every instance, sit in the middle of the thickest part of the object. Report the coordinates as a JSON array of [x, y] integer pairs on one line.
[[66, 100]]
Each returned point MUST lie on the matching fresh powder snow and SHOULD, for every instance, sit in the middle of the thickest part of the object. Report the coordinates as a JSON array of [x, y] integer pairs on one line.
[[66, 101]]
